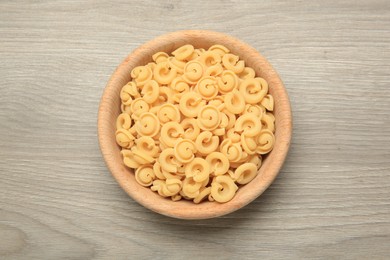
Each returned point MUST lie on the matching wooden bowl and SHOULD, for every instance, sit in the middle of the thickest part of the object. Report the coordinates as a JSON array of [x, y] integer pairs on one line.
[[110, 108]]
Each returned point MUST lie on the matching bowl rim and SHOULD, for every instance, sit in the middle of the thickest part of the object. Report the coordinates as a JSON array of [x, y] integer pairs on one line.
[[204, 210]]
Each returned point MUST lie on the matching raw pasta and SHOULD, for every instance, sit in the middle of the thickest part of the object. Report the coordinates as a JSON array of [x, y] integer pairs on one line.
[[195, 124]]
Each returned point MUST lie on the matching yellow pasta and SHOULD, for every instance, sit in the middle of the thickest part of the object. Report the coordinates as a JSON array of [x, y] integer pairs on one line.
[[150, 91], [233, 63], [179, 88], [158, 171], [176, 197], [254, 110], [268, 121], [138, 106], [234, 102], [218, 162], [167, 160], [168, 113], [209, 117], [125, 109], [217, 103], [172, 187], [224, 121], [151, 65], [223, 189], [167, 188], [227, 81], [206, 143], [123, 121], [176, 64], [207, 87], [232, 151], [265, 141], [193, 56], [193, 71], [248, 124], [169, 175], [163, 73], [249, 144], [191, 188], [190, 103], [147, 124], [214, 70], [185, 150], [231, 118], [210, 58], [268, 102], [124, 138], [166, 96], [245, 173], [203, 194], [145, 175], [219, 131], [195, 124], [160, 57], [247, 73], [141, 75], [128, 159], [128, 92], [256, 160], [198, 169], [233, 136], [253, 90], [219, 49], [170, 133], [147, 145], [142, 157], [183, 52], [191, 128]]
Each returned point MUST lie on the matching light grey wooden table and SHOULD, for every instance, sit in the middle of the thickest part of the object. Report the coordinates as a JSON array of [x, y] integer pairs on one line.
[[58, 200]]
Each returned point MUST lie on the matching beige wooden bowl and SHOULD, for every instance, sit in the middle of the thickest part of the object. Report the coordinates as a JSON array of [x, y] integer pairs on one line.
[[110, 108]]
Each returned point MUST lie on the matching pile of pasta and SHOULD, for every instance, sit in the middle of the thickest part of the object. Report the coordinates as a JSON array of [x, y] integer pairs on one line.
[[195, 124]]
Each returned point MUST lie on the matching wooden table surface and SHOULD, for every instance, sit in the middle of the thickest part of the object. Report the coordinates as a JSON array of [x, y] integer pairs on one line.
[[331, 199]]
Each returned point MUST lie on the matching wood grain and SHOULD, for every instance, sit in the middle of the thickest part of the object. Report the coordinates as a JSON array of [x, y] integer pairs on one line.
[[58, 200]]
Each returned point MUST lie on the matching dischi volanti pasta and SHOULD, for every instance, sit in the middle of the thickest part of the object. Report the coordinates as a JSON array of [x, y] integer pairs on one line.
[[195, 124]]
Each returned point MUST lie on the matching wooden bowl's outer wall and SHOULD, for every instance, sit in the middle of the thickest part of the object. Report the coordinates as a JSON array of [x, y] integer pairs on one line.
[[110, 108]]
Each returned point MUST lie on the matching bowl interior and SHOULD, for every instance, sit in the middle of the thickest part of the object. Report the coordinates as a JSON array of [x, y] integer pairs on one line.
[[110, 108]]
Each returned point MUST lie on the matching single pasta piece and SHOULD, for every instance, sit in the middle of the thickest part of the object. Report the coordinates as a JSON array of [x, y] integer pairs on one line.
[[190, 103], [218, 162], [145, 175], [185, 150], [150, 91], [206, 143], [223, 188], [209, 118], [163, 73], [183, 52], [141, 75]]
